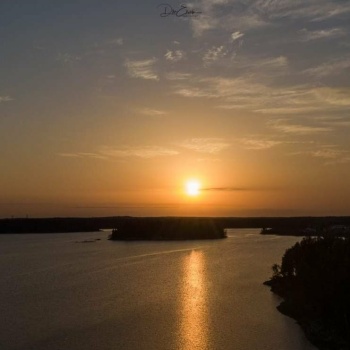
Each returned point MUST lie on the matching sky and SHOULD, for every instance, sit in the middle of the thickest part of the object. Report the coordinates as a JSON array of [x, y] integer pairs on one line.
[[108, 107]]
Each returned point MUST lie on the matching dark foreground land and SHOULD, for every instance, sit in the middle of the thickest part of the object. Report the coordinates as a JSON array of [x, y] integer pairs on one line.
[[314, 280], [282, 225]]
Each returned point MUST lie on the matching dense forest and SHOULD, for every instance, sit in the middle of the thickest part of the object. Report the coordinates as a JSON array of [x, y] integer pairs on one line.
[[168, 229], [314, 280]]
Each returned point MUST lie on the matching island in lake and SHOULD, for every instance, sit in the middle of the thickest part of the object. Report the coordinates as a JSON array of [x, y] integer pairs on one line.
[[168, 229], [314, 281]]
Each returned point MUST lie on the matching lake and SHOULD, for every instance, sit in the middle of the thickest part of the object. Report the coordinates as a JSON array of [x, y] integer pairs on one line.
[[57, 292]]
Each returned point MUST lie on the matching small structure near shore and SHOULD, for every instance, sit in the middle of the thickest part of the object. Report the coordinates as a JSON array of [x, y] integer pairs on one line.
[[167, 229]]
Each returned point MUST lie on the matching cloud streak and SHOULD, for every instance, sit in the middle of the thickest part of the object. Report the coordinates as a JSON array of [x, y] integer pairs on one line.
[[5, 99], [175, 56], [205, 145], [105, 153], [152, 112], [255, 144], [298, 129], [143, 69], [322, 34]]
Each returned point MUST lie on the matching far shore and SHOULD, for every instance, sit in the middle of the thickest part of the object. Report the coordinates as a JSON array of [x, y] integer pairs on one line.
[[282, 225]]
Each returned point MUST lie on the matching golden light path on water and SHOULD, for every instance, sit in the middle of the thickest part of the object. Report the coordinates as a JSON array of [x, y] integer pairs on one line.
[[194, 320]]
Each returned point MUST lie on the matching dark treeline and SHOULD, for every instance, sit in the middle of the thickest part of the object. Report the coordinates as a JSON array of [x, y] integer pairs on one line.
[[314, 280], [168, 229], [286, 225]]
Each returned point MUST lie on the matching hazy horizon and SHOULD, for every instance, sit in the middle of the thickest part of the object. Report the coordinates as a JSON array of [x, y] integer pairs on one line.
[[109, 109]]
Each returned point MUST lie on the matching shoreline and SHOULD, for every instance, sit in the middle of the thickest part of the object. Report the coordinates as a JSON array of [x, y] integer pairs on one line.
[[314, 281]]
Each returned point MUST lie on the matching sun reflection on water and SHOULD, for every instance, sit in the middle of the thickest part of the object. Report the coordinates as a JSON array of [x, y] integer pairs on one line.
[[194, 322]]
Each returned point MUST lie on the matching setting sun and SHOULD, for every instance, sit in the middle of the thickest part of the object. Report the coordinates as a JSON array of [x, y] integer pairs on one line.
[[193, 188]]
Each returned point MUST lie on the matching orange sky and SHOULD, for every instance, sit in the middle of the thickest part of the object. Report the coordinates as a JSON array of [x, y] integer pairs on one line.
[[109, 109]]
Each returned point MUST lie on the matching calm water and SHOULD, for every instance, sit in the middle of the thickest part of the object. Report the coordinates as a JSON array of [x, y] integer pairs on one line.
[[59, 294]]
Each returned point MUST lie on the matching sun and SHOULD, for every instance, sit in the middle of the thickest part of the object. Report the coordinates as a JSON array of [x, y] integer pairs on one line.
[[193, 188]]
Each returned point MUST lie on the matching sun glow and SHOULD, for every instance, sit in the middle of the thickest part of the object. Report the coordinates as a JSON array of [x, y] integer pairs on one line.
[[193, 187]]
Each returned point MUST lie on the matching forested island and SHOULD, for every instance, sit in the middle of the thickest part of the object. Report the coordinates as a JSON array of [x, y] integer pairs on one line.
[[168, 229], [314, 281]]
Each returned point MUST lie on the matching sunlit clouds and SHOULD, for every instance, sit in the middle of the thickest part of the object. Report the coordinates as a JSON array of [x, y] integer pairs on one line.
[[5, 99], [142, 69], [246, 95]]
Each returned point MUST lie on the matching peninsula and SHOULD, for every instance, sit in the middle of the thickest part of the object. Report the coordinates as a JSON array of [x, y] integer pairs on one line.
[[314, 281]]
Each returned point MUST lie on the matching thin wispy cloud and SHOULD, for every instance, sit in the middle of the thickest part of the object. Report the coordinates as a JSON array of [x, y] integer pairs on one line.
[[107, 152], [236, 35], [236, 189], [334, 121], [280, 61], [214, 54], [321, 34], [330, 154], [298, 129], [143, 69], [256, 144], [139, 152], [205, 145], [226, 189], [177, 76], [152, 112], [67, 58], [82, 155], [5, 99], [250, 15], [117, 41], [251, 93], [313, 10], [335, 66], [175, 56]]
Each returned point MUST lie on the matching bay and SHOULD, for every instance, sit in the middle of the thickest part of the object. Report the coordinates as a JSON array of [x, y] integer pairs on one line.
[[59, 292]]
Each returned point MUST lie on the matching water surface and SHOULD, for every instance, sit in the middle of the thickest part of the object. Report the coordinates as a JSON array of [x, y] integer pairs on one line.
[[56, 293]]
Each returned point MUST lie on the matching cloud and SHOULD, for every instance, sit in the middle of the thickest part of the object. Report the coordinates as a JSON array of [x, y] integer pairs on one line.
[[177, 76], [255, 144], [334, 121], [333, 96], [250, 93], [106, 152], [67, 58], [226, 189], [280, 61], [236, 35], [298, 129], [152, 112], [321, 34], [174, 56], [5, 99], [140, 152], [117, 41], [213, 54], [82, 155], [331, 67], [235, 189], [253, 14], [205, 145], [143, 69], [313, 10], [330, 153]]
